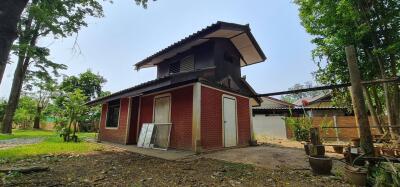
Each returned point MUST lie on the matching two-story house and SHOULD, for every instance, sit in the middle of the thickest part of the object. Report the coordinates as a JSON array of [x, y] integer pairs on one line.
[[199, 92]]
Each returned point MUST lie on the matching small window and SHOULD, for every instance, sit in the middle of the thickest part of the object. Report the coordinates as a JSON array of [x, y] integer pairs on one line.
[[113, 114], [187, 64], [174, 68]]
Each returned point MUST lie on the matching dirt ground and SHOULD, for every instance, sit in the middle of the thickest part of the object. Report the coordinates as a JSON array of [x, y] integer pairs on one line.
[[114, 167]]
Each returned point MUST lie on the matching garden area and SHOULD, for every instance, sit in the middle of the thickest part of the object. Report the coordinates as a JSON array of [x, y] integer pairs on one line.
[[26, 143]]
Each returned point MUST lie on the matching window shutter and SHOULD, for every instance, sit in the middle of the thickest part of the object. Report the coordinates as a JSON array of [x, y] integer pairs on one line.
[[174, 68], [187, 64]]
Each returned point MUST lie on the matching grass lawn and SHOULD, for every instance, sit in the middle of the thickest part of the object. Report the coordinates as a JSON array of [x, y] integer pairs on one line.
[[52, 144]]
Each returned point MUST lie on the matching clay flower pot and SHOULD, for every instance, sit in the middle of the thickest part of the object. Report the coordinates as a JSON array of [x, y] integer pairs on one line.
[[356, 176], [320, 165]]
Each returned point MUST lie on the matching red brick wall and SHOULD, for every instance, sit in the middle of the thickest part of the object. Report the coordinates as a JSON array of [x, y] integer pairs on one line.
[[116, 135], [132, 135], [181, 116], [341, 121], [211, 119]]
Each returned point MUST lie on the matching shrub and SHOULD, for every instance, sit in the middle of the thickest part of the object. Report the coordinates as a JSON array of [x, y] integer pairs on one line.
[[300, 127], [385, 174]]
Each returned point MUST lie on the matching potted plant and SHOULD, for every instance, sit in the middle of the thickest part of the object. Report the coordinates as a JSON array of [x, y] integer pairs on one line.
[[300, 127], [356, 175]]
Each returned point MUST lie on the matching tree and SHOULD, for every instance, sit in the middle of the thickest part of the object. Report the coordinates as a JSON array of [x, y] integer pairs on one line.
[[75, 108], [373, 27], [42, 88], [88, 82], [291, 98], [25, 113], [358, 102], [10, 15], [91, 86], [60, 18]]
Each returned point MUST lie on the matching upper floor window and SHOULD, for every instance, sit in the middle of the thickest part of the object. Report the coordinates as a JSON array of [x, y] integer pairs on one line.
[[184, 65], [174, 67], [113, 114], [187, 64]]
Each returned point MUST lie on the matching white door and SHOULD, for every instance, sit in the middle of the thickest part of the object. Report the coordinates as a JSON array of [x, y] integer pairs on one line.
[[162, 113], [162, 106], [229, 122]]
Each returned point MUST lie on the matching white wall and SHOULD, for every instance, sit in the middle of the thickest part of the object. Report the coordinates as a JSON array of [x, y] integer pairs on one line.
[[271, 126]]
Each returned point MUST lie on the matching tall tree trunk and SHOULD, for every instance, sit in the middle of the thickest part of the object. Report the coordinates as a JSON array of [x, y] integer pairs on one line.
[[10, 13], [359, 102], [19, 76], [372, 110], [12, 104], [29, 38], [379, 107], [365, 10], [36, 123], [395, 94]]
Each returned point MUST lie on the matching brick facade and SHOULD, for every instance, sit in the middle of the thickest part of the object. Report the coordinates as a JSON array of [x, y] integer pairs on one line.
[[181, 118], [211, 119], [181, 115], [344, 134], [116, 135]]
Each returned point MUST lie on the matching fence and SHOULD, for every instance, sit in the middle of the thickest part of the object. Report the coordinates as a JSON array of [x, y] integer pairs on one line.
[[347, 128]]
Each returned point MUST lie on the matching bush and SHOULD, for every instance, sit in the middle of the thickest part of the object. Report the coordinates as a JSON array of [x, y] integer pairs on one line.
[[385, 174], [300, 127]]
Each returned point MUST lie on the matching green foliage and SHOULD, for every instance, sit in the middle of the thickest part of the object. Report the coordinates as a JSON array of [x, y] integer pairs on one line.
[[385, 174], [91, 86], [25, 113], [88, 82], [300, 127], [325, 126], [371, 26]]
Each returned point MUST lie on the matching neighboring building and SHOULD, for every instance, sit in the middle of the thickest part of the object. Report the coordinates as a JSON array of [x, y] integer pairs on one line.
[[320, 106], [269, 117], [199, 92]]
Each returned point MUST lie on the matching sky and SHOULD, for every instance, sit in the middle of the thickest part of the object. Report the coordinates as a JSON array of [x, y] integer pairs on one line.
[[128, 33]]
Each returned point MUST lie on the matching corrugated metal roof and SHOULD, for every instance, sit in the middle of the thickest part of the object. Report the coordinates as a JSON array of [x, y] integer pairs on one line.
[[201, 37], [299, 108]]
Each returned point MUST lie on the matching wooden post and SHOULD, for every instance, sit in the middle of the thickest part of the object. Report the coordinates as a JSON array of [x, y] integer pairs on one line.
[[314, 136], [336, 129], [358, 101]]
